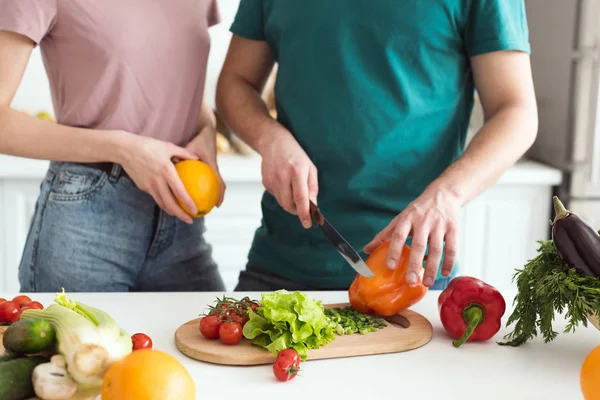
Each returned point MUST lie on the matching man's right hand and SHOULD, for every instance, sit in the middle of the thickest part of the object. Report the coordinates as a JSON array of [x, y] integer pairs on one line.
[[289, 175], [148, 162]]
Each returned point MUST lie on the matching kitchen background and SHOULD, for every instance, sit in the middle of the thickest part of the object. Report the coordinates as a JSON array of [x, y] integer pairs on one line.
[[499, 230]]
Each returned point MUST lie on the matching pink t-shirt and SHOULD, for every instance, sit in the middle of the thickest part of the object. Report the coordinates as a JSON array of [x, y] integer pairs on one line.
[[134, 65]]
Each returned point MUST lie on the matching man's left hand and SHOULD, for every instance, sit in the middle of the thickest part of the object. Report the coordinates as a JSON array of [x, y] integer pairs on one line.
[[204, 145], [431, 219]]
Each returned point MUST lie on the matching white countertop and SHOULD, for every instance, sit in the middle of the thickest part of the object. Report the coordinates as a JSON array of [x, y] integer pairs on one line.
[[475, 371], [236, 168]]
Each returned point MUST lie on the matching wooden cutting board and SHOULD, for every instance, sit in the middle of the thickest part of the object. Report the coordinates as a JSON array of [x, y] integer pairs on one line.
[[407, 331], [83, 395]]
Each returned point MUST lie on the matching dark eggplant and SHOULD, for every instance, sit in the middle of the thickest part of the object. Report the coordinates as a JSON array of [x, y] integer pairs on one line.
[[576, 241]]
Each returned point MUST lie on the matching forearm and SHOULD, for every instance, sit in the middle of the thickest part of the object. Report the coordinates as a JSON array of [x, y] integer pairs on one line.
[[241, 107], [499, 144], [207, 117], [26, 136]]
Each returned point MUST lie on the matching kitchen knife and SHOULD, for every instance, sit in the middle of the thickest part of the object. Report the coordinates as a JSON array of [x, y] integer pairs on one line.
[[342, 246]]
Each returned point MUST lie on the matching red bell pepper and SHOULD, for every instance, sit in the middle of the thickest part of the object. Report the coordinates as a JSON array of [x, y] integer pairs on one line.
[[471, 310]]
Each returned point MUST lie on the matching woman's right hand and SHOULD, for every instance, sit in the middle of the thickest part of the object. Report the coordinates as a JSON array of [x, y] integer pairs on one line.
[[148, 162]]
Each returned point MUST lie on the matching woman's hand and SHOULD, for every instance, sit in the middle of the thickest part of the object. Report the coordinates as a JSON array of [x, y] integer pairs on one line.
[[432, 217], [289, 175], [204, 147], [149, 163]]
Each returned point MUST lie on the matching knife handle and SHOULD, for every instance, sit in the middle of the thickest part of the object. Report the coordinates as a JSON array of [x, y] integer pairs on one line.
[[315, 213]]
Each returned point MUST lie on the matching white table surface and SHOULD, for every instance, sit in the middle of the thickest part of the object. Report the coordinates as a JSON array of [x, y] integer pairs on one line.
[[436, 371]]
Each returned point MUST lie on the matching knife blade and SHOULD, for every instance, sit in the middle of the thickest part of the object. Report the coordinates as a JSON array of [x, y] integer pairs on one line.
[[342, 246]]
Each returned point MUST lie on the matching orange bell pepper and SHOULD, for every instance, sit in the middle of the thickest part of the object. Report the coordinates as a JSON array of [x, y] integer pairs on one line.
[[387, 293]]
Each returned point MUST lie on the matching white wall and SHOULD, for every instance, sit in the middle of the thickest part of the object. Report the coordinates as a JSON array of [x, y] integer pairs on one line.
[[34, 93]]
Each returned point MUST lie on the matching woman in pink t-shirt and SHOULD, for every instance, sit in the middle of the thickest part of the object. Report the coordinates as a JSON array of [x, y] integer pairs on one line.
[[127, 80]]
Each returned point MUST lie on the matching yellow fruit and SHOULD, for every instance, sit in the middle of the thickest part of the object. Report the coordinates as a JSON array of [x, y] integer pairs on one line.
[[45, 116], [202, 184], [148, 374], [589, 376]]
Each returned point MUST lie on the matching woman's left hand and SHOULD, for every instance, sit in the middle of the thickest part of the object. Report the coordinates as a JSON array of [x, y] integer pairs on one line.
[[433, 217], [204, 145]]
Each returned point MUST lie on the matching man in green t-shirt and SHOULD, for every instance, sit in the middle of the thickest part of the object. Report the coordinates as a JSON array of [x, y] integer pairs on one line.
[[373, 102]]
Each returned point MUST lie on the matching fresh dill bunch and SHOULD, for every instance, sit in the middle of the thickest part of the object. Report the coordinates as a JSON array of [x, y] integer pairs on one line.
[[547, 285]]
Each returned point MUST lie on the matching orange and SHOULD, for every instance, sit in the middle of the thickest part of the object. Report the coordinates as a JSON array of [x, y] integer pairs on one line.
[[148, 374], [202, 184], [589, 377]]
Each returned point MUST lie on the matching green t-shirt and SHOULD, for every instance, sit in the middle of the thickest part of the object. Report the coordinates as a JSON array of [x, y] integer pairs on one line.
[[379, 94]]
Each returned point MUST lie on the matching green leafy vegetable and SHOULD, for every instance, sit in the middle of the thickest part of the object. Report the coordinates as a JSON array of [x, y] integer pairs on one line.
[[289, 320], [547, 285]]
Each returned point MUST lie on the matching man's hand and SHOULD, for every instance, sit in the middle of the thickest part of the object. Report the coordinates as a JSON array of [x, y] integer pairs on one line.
[[433, 217], [289, 175], [204, 146], [503, 81]]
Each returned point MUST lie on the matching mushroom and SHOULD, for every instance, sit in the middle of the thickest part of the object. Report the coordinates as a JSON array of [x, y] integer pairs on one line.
[[51, 381]]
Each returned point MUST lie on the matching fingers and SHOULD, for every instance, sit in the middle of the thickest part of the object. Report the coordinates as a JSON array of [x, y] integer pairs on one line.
[[170, 204], [177, 188], [300, 195], [417, 252], [181, 153], [381, 237], [451, 250], [223, 188], [397, 241], [434, 256], [313, 183]]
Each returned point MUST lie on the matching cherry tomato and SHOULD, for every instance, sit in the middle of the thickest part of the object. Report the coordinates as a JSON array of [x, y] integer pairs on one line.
[[33, 305], [209, 327], [234, 316], [9, 311], [289, 353], [2, 299], [230, 332], [287, 365], [141, 341], [253, 305], [21, 300]]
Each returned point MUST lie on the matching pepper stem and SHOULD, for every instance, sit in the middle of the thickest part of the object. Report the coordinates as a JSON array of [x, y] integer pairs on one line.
[[559, 209], [473, 315]]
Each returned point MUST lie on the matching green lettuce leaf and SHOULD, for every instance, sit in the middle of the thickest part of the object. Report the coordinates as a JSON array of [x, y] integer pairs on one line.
[[289, 320]]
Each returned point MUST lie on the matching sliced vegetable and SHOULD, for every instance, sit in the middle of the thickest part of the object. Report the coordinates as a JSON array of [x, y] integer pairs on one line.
[[577, 243], [349, 321], [289, 320], [230, 332], [209, 326], [88, 338], [51, 381], [387, 293], [470, 310], [286, 365], [15, 378], [9, 311], [141, 341], [29, 336]]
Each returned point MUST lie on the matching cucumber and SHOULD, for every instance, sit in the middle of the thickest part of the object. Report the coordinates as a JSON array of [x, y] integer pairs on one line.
[[29, 336], [8, 355], [15, 377]]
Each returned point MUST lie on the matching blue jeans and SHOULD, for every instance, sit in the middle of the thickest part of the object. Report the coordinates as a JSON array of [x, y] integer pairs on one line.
[[95, 231]]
